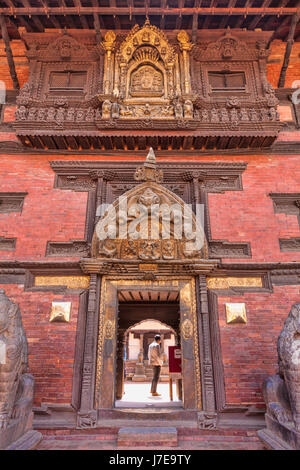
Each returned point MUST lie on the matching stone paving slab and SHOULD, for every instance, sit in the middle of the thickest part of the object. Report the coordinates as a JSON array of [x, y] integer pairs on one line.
[[112, 445], [147, 436]]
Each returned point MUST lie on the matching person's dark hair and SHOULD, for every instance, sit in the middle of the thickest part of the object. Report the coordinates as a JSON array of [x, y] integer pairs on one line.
[[157, 337]]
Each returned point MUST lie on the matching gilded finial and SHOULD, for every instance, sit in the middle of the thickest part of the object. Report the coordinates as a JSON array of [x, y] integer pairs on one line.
[[149, 172], [150, 159]]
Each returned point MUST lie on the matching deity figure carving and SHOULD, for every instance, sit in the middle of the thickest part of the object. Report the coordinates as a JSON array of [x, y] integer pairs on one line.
[[282, 391], [178, 110], [51, 114], [148, 198], [253, 115], [273, 114], [244, 115], [31, 114], [188, 109], [107, 248], [106, 109], [168, 248], [234, 115], [79, 115], [41, 115], [21, 113], [264, 114], [70, 114], [16, 387], [90, 115], [146, 81], [224, 115], [115, 110], [214, 115], [65, 49], [149, 249], [205, 115], [60, 115]]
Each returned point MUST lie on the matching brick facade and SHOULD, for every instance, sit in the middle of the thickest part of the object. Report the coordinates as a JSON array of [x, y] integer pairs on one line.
[[51, 214], [236, 216]]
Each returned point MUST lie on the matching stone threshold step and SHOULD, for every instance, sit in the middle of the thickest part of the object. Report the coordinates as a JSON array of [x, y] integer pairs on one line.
[[147, 436]]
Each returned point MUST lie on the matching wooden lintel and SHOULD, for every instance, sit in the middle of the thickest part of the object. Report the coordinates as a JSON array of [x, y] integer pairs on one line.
[[9, 54]]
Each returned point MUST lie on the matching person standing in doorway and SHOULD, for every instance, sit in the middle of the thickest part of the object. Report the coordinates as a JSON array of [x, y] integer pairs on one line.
[[155, 360]]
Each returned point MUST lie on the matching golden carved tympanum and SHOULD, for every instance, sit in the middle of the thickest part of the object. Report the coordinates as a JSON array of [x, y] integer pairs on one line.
[[145, 77]]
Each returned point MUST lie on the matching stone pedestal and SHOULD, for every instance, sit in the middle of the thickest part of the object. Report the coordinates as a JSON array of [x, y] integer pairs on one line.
[[279, 436], [19, 435], [139, 374]]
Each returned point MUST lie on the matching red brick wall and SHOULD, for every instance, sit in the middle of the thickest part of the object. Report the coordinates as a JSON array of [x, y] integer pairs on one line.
[[21, 63], [58, 215], [48, 213], [51, 346], [249, 350], [277, 54], [237, 216]]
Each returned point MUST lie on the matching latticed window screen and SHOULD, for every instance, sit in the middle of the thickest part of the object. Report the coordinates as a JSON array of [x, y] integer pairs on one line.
[[72, 81], [227, 80]]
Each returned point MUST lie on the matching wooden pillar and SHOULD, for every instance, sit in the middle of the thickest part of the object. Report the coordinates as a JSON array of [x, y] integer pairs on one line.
[[141, 353], [288, 50], [120, 365], [207, 365], [87, 416], [9, 55]]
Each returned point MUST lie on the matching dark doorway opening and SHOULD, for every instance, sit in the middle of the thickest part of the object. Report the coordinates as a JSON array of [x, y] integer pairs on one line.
[[139, 319]]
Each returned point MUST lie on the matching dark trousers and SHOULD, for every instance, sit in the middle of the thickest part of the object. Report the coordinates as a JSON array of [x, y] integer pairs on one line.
[[156, 374]]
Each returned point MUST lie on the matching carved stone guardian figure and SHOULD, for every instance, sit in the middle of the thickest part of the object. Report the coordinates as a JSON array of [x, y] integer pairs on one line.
[[16, 386], [282, 391]]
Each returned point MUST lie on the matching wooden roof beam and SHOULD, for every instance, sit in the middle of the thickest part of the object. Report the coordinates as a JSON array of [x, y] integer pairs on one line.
[[257, 18], [113, 6], [288, 50], [197, 5], [131, 11], [122, 11], [9, 54], [224, 21], [241, 19], [162, 20], [37, 22], [82, 18], [179, 18], [70, 19], [22, 20]]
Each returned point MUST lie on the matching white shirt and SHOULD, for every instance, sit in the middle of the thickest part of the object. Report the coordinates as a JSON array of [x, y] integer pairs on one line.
[[154, 354]]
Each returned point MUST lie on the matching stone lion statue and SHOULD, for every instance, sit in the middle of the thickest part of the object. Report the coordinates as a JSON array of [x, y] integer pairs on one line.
[[16, 386], [282, 391]]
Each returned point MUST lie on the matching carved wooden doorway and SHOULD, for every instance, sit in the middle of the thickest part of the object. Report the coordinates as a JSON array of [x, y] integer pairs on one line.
[[105, 389]]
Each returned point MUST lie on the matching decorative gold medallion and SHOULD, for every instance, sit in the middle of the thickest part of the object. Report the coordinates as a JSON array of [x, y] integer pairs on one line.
[[187, 329], [236, 313], [109, 329], [60, 312]]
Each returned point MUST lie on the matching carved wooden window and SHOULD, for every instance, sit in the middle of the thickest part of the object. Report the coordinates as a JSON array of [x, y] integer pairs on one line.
[[227, 81], [70, 82]]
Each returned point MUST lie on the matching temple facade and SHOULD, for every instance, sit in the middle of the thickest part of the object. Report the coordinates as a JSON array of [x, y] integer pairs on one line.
[[189, 116]]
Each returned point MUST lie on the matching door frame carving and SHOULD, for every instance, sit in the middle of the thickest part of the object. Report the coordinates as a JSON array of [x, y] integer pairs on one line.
[[105, 385]]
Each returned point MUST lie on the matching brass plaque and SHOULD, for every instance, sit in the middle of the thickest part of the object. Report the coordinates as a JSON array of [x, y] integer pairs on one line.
[[148, 267], [227, 282], [71, 282]]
